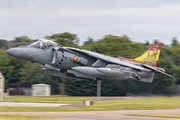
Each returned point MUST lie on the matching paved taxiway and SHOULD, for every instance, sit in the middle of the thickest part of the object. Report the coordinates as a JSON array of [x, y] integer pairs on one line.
[[104, 115], [32, 104]]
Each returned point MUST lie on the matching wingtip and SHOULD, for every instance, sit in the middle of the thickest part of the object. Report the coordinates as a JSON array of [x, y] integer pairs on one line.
[[172, 76]]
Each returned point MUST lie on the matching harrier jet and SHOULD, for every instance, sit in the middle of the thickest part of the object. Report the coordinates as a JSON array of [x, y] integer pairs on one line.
[[68, 62]]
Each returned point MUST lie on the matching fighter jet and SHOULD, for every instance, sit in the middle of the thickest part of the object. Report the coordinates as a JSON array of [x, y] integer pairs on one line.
[[77, 63]]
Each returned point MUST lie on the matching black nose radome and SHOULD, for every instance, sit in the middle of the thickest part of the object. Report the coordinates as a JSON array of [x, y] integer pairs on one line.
[[15, 52]]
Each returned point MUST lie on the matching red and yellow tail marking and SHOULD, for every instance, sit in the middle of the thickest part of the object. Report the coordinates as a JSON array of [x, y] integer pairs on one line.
[[150, 57]]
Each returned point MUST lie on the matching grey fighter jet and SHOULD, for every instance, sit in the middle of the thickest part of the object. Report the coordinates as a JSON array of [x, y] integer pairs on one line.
[[68, 62]]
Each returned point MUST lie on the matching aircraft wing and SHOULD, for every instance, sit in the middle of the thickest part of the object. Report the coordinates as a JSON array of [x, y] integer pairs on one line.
[[107, 58], [157, 70]]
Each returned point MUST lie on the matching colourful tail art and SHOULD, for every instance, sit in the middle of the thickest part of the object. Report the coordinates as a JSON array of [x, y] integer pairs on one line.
[[150, 57]]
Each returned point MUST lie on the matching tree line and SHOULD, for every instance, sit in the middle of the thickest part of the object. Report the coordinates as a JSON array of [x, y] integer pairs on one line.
[[24, 72]]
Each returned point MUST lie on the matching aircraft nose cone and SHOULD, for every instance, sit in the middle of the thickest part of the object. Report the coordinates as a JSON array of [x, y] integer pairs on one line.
[[15, 52]]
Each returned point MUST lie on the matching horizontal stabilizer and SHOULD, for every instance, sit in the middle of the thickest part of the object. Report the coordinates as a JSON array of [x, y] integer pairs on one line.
[[153, 68]]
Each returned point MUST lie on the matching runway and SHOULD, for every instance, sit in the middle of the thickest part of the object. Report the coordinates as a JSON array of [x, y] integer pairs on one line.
[[104, 115]]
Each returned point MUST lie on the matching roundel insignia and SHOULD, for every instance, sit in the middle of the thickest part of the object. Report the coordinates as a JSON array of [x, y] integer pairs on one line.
[[75, 58]]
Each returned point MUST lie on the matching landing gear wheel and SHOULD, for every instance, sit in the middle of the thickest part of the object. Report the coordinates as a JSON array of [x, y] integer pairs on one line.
[[138, 78]]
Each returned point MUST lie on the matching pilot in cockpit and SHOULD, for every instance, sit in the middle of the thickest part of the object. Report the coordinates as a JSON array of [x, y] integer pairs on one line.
[[43, 44]]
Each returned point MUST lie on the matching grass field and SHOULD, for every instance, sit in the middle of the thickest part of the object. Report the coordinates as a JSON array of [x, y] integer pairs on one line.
[[36, 109], [158, 115], [142, 103], [27, 117], [52, 99], [148, 103]]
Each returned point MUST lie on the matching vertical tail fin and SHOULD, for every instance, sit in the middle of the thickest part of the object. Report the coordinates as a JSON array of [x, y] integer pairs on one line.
[[151, 56]]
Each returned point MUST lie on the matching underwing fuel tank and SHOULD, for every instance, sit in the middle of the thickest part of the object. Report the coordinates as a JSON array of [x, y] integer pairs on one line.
[[88, 71], [99, 72]]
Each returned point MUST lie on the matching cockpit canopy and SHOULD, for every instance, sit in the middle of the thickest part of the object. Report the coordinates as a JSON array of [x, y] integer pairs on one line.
[[43, 44]]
